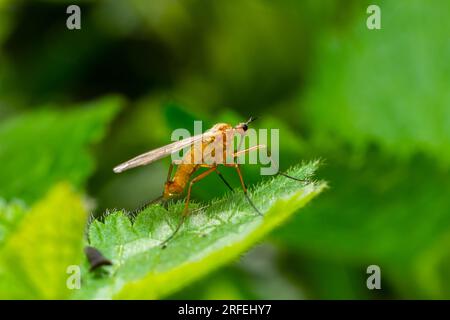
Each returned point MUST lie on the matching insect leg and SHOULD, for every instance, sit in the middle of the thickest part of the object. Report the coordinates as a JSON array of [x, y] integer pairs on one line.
[[223, 179], [237, 167], [186, 205], [261, 146], [145, 205], [165, 203], [196, 179]]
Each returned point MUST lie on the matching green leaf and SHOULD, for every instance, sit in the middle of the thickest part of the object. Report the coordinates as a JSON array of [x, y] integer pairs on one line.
[[388, 86], [41, 148], [49, 239], [210, 238]]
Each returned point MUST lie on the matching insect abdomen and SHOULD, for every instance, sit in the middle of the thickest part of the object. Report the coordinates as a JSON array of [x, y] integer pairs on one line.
[[180, 180]]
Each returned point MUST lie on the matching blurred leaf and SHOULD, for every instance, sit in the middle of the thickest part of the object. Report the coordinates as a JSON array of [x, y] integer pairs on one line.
[[35, 257], [177, 117], [382, 213], [169, 19], [209, 239], [383, 90], [388, 86], [323, 278], [10, 215], [40, 148], [431, 269]]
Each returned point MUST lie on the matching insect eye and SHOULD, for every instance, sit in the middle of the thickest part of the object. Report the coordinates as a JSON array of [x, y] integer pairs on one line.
[[245, 127]]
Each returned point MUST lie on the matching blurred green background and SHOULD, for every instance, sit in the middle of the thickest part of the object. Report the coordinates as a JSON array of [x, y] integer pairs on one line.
[[374, 104]]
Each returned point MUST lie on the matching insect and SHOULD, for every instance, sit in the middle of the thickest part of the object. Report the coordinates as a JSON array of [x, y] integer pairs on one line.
[[96, 258], [216, 140]]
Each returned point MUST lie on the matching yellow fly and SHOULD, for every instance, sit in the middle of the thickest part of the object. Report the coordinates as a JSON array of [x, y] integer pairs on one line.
[[219, 137]]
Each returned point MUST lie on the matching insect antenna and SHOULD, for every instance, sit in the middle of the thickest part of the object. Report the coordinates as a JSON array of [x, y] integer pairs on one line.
[[251, 119]]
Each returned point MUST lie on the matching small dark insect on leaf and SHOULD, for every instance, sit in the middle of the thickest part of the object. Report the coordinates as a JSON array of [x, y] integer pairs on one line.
[[96, 258]]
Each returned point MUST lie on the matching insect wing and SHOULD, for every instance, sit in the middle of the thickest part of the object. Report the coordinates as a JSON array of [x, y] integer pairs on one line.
[[159, 153]]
